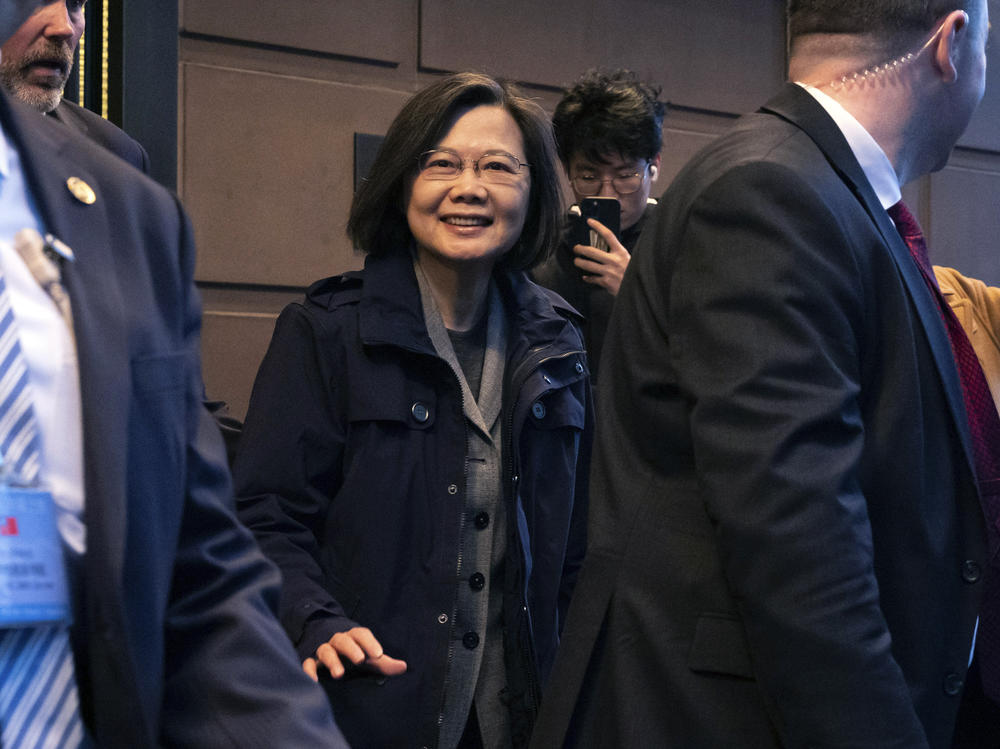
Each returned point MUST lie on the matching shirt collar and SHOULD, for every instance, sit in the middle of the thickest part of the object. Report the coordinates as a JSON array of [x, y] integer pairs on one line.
[[874, 163]]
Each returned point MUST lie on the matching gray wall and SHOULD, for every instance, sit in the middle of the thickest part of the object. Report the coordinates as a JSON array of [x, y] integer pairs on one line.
[[271, 95]]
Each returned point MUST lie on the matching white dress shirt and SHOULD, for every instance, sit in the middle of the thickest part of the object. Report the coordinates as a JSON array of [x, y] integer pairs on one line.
[[49, 353], [874, 163]]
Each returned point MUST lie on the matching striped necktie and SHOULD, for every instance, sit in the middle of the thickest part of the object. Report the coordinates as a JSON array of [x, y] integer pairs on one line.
[[39, 704]]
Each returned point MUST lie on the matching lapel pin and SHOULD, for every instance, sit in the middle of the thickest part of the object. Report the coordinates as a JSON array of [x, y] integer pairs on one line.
[[81, 190]]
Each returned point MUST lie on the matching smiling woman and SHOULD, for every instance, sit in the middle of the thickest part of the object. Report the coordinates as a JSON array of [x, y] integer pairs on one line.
[[464, 219], [411, 452]]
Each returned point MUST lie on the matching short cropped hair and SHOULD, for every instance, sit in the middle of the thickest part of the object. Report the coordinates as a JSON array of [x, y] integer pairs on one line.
[[377, 222], [607, 113], [887, 20]]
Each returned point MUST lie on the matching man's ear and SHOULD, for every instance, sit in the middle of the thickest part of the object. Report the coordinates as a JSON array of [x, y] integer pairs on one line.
[[654, 168], [944, 48]]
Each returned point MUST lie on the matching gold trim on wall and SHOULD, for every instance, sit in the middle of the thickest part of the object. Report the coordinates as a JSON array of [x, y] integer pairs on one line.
[[81, 69], [105, 49]]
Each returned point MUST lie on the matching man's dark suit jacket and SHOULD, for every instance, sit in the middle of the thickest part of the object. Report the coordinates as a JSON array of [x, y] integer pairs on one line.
[[111, 137], [174, 637], [103, 133], [786, 546]]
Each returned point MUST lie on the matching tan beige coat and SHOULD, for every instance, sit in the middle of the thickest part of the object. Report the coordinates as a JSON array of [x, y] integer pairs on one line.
[[977, 307]]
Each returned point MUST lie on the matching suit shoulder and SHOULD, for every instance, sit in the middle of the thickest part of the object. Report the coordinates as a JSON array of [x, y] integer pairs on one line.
[[62, 151], [102, 132], [757, 139], [762, 156]]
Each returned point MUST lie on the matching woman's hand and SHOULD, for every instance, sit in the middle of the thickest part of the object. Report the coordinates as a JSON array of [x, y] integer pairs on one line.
[[360, 648], [602, 268]]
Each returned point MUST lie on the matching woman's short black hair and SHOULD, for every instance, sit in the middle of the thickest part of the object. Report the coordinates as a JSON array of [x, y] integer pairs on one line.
[[609, 113], [377, 223]]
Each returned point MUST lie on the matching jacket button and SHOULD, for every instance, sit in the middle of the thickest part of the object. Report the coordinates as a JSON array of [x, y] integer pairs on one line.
[[579, 368], [538, 410], [420, 412], [477, 581], [953, 684], [470, 640], [452, 489], [971, 571], [482, 520], [442, 618]]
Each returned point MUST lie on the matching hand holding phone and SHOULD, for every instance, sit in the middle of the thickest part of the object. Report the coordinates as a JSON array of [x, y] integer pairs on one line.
[[606, 210], [599, 254]]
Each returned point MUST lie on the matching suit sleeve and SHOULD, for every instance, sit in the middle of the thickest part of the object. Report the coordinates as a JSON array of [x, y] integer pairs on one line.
[[766, 318], [231, 676], [288, 469]]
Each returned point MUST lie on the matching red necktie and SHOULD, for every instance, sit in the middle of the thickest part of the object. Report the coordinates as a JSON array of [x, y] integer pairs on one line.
[[984, 428]]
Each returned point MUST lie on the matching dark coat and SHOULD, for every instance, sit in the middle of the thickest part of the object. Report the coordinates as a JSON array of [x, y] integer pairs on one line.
[[174, 635], [786, 541], [357, 492], [102, 132], [593, 302]]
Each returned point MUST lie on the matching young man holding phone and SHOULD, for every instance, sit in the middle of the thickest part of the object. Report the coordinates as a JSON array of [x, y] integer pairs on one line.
[[608, 128]]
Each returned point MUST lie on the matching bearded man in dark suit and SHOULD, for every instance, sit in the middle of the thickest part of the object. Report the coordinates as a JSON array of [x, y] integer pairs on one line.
[[167, 635], [786, 544]]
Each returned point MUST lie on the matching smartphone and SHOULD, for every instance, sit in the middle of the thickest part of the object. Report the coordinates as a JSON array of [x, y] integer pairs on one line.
[[606, 210]]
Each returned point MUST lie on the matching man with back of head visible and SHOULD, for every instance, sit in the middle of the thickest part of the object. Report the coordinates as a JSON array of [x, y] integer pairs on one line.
[[787, 543], [36, 63], [135, 610]]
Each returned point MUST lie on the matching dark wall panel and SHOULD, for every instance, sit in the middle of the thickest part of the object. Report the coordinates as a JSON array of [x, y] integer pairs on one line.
[[964, 223], [678, 147], [983, 131], [373, 30], [268, 172], [236, 329], [232, 349], [709, 54]]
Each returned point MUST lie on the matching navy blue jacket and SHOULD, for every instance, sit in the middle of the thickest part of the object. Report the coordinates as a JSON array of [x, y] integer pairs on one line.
[[360, 502]]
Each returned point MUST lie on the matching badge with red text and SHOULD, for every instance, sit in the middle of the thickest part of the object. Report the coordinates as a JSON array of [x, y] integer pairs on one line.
[[32, 570]]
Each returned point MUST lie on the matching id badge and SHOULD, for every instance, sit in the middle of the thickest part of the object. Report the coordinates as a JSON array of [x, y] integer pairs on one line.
[[32, 570]]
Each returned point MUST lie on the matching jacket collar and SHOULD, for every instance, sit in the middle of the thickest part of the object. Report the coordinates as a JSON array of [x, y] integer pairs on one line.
[[390, 307], [796, 106], [391, 312]]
